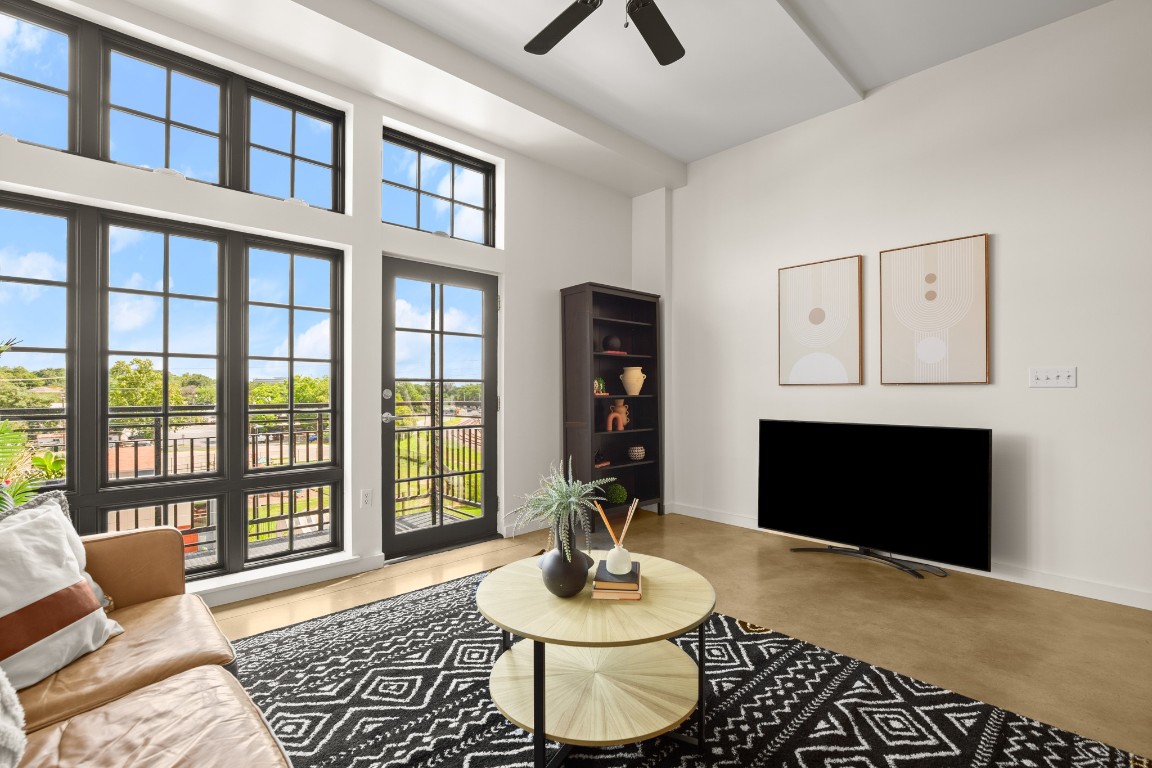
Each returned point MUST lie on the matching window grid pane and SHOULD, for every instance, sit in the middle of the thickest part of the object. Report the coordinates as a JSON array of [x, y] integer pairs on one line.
[[290, 360], [33, 349], [162, 363], [291, 520], [198, 522], [291, 153], [160, 117]]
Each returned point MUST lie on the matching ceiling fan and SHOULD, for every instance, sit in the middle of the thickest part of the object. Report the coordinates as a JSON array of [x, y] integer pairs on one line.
[[647, 17]]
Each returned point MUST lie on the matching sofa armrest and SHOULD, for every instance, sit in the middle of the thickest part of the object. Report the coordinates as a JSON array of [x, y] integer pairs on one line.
[[137, 566]]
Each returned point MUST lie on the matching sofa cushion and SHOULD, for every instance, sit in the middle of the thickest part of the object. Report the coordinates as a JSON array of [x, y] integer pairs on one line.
[[201, 717], [49, 613], [161, 638]]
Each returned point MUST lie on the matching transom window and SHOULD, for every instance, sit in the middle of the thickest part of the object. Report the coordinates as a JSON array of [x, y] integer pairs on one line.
[[292, 153], [35, 67], [436, 189], [161, 117]]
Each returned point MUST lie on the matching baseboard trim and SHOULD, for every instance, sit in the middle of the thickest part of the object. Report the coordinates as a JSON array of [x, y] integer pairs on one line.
[[1003, 571]]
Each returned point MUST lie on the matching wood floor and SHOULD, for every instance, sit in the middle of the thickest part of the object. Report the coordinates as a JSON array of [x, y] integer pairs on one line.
[[1079, 664]]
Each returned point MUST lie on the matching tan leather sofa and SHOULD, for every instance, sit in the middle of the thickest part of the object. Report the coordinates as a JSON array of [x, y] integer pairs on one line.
[[159, 695]]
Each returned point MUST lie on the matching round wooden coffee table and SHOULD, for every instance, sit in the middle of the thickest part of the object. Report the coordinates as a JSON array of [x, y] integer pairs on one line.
[[608, 677]]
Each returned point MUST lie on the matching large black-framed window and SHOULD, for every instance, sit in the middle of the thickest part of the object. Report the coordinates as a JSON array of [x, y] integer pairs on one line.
[[136, 378], [73, 85], [436, 189]]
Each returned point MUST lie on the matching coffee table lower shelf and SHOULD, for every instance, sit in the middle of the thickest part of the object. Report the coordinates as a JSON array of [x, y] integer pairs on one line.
[[599, 696]]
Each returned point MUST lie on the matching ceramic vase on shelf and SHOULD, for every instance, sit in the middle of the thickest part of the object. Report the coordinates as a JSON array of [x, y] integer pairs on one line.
[[636, 453], [633, 379]]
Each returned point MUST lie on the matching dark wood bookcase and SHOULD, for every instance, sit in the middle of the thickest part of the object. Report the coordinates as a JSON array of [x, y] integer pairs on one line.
[[590, 313]]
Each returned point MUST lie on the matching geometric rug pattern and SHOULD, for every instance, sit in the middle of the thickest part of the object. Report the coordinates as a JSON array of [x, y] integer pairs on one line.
[[404, 682]]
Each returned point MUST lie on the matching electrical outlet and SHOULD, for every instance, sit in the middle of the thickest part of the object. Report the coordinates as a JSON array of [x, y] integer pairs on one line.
[[366, 498], [1062, 378]]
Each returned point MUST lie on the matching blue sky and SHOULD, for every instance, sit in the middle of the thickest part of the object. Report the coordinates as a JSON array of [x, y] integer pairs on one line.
[[38, 54], [405, 166], [462, 313]]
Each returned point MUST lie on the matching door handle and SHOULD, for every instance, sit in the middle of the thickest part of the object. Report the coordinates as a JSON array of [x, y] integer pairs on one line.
[[387, 418]]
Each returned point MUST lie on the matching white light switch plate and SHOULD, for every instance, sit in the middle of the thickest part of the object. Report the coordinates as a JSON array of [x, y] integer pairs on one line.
[[1061, 378]]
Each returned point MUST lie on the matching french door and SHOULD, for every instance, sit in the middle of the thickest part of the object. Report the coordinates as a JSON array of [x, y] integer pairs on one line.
[[438, 407]]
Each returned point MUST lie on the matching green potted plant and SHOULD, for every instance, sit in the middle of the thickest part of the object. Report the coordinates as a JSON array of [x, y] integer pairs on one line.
[[563, 502]]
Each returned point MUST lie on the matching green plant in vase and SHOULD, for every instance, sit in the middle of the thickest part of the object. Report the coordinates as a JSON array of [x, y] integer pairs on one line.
[[563, 502]]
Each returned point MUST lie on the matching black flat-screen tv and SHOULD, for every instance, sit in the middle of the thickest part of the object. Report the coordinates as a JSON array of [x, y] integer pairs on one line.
[[885, 492]]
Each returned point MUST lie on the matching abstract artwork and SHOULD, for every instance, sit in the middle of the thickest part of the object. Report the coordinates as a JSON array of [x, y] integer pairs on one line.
[[934, 313], [820, 322]]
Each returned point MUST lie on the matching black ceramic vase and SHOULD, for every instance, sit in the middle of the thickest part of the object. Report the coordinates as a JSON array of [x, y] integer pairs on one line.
[[563, 577]]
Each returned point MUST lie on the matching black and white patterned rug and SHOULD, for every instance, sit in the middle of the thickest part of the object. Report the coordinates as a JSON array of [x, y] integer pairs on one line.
[[404, 682]]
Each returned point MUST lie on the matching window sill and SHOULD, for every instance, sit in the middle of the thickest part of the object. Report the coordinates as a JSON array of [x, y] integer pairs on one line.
[[234, 587]]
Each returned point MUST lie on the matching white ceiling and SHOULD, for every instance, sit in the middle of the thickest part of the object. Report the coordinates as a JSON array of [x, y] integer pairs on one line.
[[598, 104], [752, 66]]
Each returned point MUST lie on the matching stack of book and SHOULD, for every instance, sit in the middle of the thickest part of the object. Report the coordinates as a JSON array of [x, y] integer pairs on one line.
[[610, 586]]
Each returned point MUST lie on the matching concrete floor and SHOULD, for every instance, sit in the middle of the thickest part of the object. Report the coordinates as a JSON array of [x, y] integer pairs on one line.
[[1079, 664]]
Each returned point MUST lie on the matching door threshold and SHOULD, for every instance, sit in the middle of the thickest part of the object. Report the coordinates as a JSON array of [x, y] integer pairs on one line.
[[425, 552]]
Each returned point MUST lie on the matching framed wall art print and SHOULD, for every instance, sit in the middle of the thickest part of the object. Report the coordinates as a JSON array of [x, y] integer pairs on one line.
[[934, 313], [820, 322]]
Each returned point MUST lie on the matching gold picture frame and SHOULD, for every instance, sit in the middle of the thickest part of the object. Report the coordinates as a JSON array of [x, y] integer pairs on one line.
[[934, 315]]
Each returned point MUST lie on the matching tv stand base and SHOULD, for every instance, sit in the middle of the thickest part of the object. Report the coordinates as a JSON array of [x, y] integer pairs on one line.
[[908, 566]]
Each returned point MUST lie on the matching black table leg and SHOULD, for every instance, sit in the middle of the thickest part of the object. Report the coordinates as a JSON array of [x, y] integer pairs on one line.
[[505, 640], [538, 753], [702, 696]]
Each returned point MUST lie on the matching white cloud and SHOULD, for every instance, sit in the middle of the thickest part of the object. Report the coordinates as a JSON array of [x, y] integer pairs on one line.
[[469, 185], [120, 238], [129, 313], [314, 342], [411, 355], [35, 265], [470, 225], [408, 316], [458, 320], [18, 37]]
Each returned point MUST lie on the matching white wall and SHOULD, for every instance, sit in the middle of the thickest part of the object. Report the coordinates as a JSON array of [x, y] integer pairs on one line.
[[556, 230], [1045, 142]]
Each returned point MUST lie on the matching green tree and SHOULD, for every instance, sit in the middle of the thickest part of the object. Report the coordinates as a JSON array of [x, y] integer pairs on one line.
[[136, 384], [13, 395], [196, 388], [311, 390]]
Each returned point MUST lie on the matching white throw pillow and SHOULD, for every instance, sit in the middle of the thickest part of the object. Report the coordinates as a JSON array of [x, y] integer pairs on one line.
[[49, 613]]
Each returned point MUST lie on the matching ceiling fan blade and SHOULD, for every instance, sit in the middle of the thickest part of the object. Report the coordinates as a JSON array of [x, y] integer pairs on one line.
[[561, 26], [655, 31]]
